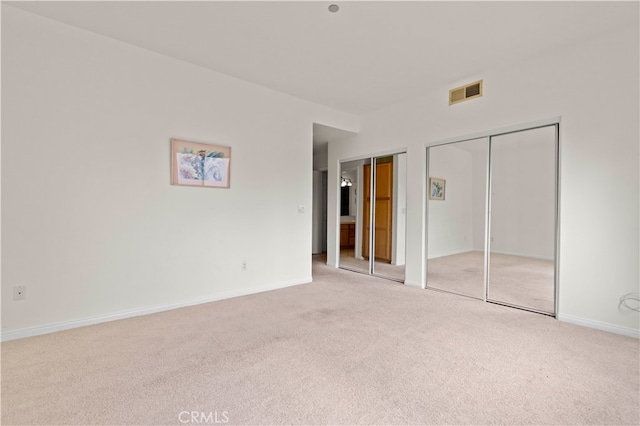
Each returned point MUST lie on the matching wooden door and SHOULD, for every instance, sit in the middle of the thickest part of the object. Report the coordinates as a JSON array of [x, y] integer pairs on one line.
[[383, 209], [366, 219]]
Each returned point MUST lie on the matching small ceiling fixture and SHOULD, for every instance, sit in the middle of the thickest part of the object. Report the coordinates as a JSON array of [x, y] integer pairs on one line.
[[346, 182], [334, 8]]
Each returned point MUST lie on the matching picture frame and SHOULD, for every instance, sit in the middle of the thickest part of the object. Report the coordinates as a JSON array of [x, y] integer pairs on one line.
[[436, 188], [200, 164]]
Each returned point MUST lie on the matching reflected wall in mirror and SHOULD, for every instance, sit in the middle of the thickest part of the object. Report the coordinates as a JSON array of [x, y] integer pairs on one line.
[[456, 224], [523, 219]]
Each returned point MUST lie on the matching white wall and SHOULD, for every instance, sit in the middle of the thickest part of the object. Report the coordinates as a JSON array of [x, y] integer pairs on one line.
[[593, 86], [479, 189], [523, 186], [450, 220], [90, 222], [317, 240], [399, 234], [523, 190], [320, 160]]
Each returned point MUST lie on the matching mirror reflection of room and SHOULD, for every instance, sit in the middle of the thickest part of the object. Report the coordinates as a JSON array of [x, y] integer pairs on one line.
[[515, 264], [456, 217], [390, 216], [351, 216], [388, 210], [523, 219]]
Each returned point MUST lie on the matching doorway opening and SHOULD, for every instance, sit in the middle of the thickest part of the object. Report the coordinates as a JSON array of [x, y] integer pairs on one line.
[[322, 136]]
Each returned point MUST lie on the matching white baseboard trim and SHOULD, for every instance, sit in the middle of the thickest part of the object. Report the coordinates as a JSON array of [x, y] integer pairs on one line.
[[67, 325], [598, 325], [492, 251], [525, 255], [451, 253]]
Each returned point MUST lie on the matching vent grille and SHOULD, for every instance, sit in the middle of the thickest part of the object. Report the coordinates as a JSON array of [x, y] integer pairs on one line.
[[466, 92]]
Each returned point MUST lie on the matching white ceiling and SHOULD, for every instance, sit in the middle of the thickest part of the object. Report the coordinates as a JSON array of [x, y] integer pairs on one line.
[[365, 57]]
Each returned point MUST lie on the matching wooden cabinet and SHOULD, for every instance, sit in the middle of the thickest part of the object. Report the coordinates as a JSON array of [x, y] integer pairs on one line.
[[347, 235], [344, 235]]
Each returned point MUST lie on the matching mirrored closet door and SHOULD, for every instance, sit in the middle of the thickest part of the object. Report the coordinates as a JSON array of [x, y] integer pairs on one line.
[[373, 216], [523, 219], [492, 218], [352, 231], [456, 217]]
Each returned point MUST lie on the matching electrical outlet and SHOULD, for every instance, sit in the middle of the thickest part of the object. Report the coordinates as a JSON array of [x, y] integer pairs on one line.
[[243, 265], [19, 292]]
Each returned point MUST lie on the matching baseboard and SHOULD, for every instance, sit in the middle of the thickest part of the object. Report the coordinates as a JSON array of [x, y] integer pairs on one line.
[[492, 251], [67, 325], [451, 253], [598, 325], [528, 256]]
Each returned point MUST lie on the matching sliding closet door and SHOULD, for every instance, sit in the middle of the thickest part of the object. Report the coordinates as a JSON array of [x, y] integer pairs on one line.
[[390, 198], [456, 217], [373, 216], [523, 219], [354, 189]]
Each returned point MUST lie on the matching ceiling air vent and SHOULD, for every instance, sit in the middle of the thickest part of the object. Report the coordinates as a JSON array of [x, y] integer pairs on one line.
[[464, 93]]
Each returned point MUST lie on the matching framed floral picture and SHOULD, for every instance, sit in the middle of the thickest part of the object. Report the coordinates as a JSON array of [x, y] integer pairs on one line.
[[200, 164], [436, 189]]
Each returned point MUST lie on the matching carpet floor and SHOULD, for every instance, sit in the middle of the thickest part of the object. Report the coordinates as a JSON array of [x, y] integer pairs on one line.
[[346, 349], [514, 280]]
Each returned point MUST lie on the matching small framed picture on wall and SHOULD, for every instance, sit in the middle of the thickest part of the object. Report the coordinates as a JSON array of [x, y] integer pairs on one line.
[[436, 189], [199, 164]]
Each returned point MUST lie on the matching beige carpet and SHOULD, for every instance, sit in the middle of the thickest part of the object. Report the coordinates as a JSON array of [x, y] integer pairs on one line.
[[514, 280], [346, 349]]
